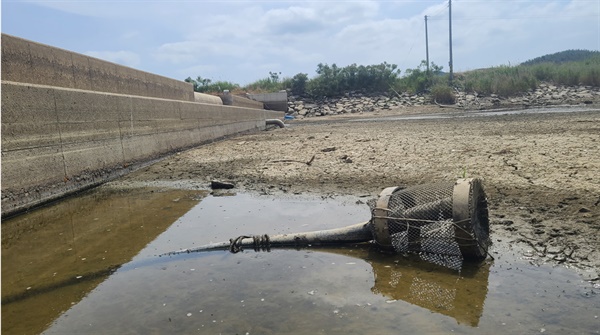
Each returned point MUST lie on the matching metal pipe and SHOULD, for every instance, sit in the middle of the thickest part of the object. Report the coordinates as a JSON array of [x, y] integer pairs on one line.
[[276, 122], [357, 233]]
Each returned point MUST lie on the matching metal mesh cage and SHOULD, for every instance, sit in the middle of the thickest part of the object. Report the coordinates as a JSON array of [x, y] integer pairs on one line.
[[442, 222]]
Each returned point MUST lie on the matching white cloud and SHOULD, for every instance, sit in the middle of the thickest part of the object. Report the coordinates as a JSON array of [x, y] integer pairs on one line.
[[127, 58], [292, 20], [242, 40]]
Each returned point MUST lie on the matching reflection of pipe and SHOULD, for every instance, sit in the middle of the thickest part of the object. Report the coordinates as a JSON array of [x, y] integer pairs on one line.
[[276, 122]]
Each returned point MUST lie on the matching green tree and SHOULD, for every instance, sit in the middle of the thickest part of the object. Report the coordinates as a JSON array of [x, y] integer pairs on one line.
[[298, 84], [418, 80], [333, 80]]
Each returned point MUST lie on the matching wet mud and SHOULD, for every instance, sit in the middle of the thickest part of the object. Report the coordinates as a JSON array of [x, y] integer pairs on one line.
[[540, 170]]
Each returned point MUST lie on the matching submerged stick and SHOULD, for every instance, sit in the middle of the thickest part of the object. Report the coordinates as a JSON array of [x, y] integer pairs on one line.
[[357, 233]]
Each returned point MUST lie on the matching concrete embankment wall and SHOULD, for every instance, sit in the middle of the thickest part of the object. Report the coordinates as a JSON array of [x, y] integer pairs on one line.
[[58, 140], [25, 61]]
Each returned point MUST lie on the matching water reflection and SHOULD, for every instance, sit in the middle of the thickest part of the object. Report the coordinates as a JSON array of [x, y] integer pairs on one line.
[[440, 290], [54, 256]]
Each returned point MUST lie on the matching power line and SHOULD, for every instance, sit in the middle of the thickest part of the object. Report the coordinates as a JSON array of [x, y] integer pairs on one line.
[[438, 12], [516, 18]]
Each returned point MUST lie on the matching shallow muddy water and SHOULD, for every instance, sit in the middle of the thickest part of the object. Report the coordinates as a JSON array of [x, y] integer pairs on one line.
[[89, 265]]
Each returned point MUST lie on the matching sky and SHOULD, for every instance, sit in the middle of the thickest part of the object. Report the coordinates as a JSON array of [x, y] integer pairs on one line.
[[241, 41]]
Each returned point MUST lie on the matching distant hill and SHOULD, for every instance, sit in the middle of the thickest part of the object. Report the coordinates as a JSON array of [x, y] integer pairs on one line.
[[563, 57]]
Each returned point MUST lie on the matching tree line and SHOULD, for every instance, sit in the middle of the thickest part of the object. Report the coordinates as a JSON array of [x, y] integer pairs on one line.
[[570, 68]]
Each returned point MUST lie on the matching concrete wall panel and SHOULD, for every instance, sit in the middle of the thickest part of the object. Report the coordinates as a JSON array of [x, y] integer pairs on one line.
[[143, 148], [82, 132], [137, 128], [31, 167], [103, 76], [26, 103], [81, 72], [154, 109], [89, 156], [15, 59], [17, 136], [28, 117], [133, 82], [50, 66], [35, 63]]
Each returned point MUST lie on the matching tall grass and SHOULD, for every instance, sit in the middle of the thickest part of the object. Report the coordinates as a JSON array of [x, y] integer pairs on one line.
[[513, 80]]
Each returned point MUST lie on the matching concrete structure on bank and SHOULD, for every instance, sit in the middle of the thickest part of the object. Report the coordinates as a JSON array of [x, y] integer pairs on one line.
[[276, 101], [236, 100], [207, 98], [70, 121]]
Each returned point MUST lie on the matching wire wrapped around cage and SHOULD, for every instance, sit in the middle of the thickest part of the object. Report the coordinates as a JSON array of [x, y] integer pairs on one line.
[[443, 222]]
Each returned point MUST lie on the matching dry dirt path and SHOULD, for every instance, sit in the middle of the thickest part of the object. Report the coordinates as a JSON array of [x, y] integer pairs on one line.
[[541, 171]]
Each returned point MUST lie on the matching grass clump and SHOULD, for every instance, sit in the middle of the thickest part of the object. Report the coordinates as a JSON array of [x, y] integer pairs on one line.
[[443, 94]]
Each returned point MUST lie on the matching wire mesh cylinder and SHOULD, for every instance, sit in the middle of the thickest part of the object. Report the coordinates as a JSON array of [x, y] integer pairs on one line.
[[443, 222]]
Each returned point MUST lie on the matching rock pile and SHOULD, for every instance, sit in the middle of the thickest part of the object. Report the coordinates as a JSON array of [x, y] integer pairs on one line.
[[544, 95], [351, 102], [355, 102]]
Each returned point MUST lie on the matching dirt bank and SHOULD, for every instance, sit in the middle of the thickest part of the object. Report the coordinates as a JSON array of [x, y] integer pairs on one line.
[[541, 171]]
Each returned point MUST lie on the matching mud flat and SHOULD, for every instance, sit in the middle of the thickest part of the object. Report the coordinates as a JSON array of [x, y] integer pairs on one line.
[[541, 170]]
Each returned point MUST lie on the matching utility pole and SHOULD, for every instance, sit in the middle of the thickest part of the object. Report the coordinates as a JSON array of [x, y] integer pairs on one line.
[[450, 37], [426, 44]]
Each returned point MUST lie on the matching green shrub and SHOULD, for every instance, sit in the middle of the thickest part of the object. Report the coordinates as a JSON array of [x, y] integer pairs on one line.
[[418, 80], [443, 94]]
